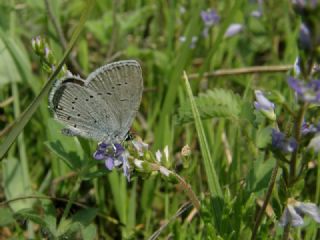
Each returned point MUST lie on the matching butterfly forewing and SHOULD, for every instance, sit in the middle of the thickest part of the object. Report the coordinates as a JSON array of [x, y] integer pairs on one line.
[[120, 85], [78, 108]]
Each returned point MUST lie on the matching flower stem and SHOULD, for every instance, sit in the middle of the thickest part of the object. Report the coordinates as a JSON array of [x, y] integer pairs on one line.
[[286, 232], [187, 188], [266, 201], [245, 70], [297, 135], [193, 198], [74, 193], [71, 200]]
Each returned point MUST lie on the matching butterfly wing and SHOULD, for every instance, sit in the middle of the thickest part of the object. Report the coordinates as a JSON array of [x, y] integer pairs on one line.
[[120, 85], [81, 109]]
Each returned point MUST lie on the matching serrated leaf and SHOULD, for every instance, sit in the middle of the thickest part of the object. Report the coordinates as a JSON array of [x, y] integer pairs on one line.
[[263, 137], [217, 103]]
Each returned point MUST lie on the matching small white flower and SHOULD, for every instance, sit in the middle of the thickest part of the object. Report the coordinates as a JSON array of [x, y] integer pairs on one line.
[[138, 163], [158, 155], [47, 51], [186, 151], [140, 146], [182, 39], [295, 211], [182, 10], [166, 152], [256, 13], [315, 143], [164, 171]]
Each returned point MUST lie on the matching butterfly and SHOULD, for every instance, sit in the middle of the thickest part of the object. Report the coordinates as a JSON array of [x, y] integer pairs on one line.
[[101, 107]]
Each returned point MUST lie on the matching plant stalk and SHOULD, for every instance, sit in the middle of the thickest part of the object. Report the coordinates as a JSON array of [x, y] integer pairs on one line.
[[266, 201]]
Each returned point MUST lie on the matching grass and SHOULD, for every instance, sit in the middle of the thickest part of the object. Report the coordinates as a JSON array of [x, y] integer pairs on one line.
[[198, 93]]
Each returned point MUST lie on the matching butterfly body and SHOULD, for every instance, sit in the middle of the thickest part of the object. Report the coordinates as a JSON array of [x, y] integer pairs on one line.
[[101, 107]]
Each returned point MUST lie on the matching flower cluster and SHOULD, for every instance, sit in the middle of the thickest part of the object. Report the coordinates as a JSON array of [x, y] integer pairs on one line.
[[116, 156], [210, 17], [306, 91], [42, 49], [280, 142], [113, 155]]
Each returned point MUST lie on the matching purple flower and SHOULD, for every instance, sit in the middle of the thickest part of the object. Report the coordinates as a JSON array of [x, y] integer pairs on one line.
[[233, 29], [114, 155], [307, 92], [210, 17], [295, 210], [264, 105], [280, 142], [296, 66], [308, 128], [304, 37]]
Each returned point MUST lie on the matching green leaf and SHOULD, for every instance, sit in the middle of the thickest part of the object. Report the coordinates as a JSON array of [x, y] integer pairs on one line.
[[71, 158], [32, 215], [18, 58], [263, 137], [259, 175], [8, 70], [45, 216], [16, 184], [6, 216], [89, 232], [136, 19], [79, 225], [212, 177], [219, 103], [85, 216], [95, 174], [247, 112]]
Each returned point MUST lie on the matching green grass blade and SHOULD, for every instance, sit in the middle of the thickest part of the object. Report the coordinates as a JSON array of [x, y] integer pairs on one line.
[[28, 113], [213, 182]]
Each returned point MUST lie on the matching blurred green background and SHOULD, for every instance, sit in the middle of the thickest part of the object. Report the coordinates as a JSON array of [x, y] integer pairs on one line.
[[166, 37]]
